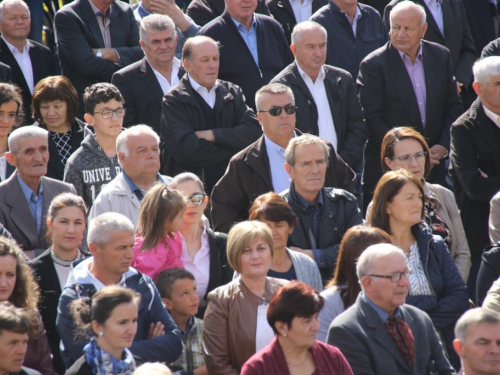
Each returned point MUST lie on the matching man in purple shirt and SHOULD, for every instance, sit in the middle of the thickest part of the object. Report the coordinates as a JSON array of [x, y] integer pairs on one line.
[[408, 82]]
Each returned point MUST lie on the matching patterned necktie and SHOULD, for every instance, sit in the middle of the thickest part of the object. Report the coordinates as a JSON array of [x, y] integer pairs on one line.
[[403, 336]]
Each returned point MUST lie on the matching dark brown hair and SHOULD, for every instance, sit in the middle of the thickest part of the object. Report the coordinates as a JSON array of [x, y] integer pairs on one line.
[[389, 185], [166, 279], [61, 201], [295, 299], [395, 135], [15, 319], [51, 89], [354, 242], [272, 207], [11, 93]]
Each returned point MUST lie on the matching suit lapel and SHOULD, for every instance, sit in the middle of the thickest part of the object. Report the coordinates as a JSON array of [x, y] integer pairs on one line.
[[431, 80], [490, 135], [48, 194], [117, 26], [257, 158], [404, 87], [35, 58], [8, 58], [431, 21], [20, 212], [446, 6], [285, 4], [91, 21], [151, 81]]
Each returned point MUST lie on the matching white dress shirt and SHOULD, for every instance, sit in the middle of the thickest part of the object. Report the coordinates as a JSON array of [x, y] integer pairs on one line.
[[208, 96], [24, 61], [326, 126], [301, 10], [492, 115], [279, 175], [354, 21], [200, 265], [436, 9], [174, 76]]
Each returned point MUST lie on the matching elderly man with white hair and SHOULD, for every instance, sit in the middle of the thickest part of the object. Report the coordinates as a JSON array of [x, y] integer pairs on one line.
[[26, 195], [380, 334], [475, 162], [138, 150], [111, 243]]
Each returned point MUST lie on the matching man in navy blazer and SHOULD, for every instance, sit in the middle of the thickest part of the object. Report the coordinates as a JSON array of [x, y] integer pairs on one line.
[[87, 57], [391, 97], [28, 60], [360, 332], [253, 48]]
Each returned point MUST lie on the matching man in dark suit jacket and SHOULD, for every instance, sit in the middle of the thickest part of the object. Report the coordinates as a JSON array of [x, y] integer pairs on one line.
[[259, 168], [282, 11], [475, 160], [143, 84], [390, 99], [482, 16], [87, 57], [204, 11], [333, 111], [252, 62], [26, 196], [362, 332], [456, 36], [15, 46], [204, 121]]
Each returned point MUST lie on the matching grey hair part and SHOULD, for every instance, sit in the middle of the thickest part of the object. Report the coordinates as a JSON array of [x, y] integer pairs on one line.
[[406, 5], [485, 68], [101, 227], [475, 316], [304, 26], [304, 140], [6, 3], [155, 22], [185, 177], [273, 89], [372, 254], [121, 140], [17, 136]]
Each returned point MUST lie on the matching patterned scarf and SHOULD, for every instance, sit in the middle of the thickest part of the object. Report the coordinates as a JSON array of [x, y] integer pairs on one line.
[[102, 363]]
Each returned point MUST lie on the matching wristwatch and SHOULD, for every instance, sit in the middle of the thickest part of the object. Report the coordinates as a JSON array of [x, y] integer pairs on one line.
[[99, 53]]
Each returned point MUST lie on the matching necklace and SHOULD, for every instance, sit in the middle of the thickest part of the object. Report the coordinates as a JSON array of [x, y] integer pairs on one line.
[[63, 262], [304, 361]]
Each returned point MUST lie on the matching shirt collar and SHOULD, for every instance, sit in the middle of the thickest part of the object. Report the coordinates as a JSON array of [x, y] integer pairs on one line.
[[142, 11], [26, 48], [357, 15], [98, 283], [197, 86], [428, 2], [492, 115], [419, 54], [238, 24], [380, 312], [321, 74], [27, 190], [97, 11], [319, 201], [176, 64], [134, 187]]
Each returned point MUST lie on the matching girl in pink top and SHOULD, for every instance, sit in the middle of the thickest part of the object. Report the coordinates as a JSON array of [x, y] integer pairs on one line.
[[158, 245]]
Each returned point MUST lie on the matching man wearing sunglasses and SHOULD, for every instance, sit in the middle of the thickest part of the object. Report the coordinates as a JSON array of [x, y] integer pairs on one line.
[[380, 334], [259, 168]]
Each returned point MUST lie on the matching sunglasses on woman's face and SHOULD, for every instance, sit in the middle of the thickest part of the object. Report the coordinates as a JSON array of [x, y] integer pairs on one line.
[[290, 109], [197, 199]]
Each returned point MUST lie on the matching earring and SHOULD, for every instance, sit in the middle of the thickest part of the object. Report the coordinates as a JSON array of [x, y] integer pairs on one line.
[[101, 333]]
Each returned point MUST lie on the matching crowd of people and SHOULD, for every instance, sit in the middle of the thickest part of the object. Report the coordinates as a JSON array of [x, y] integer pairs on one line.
[[250, 187]]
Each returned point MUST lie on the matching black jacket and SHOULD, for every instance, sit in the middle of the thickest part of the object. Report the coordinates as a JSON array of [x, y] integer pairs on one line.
[[489, 272], [480, 21], [282, 11], [475, 145], [340, 212], [204, 11], [142, 94], [347, 114], [236, 62], [5, 73], [80, 367], [182, 115]]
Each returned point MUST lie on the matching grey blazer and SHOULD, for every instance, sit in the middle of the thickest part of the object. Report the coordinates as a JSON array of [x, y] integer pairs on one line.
[[361, 336], [16, 216]]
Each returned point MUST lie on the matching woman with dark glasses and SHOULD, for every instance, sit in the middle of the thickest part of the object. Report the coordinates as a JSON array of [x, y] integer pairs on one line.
[[203, 251]]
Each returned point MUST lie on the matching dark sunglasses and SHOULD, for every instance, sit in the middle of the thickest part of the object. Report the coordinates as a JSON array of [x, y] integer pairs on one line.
[[290, 109], [197, 199]]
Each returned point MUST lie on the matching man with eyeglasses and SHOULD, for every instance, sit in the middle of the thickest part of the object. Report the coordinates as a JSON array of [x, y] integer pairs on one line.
[[205, 121], [94, 164], [259, 168], [380, 334], [408, 82]]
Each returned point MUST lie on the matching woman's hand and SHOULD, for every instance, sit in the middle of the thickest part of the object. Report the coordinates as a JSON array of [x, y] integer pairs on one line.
[[156, 330]]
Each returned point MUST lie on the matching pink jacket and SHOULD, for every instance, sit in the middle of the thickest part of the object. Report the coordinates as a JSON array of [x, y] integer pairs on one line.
[[159, 258]]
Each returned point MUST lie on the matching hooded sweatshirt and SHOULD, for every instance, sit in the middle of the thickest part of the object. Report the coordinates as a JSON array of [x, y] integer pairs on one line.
[[89, 169]]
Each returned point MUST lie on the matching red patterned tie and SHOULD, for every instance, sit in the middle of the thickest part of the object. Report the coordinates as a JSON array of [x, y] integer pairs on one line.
[[403, 336]]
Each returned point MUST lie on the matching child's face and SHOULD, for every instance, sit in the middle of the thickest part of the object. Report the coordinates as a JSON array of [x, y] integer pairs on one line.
[[184, 299], [110, 127], [176, 225]]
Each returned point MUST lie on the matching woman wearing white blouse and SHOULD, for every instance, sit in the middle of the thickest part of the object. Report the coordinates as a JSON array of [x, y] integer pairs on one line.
[[203, 250], [11, 114]]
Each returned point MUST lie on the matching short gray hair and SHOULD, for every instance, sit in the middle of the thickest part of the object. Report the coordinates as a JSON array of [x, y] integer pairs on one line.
[[406, 5], [6, 3], [475, 316], [304, 140], [17, 136], [155, 22], [371, 254], [101, 227], [273, 89], [485, 68], [185, 177], [121, 140], [304, 26]]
